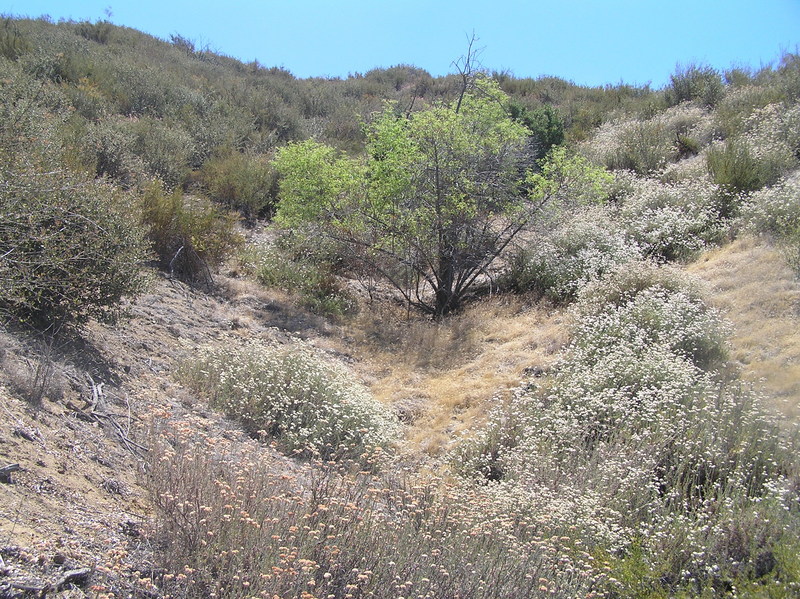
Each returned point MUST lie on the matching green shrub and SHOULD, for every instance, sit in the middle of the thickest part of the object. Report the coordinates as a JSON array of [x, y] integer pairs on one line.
[[87, 99], [544, 123], [303, 269], [215, 127], [243, 182], [99, 31], [70, 249], [734, 167], [310, 405], [13, 44], [190, 235], [165, 149], [695, 83], [108, 152]]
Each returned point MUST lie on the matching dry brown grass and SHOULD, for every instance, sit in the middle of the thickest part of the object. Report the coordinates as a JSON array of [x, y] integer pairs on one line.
[[442, 377], [760, 295]]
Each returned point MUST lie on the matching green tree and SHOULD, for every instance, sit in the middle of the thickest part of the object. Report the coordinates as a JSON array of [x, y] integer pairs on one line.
[[544, 123], [436, 198]]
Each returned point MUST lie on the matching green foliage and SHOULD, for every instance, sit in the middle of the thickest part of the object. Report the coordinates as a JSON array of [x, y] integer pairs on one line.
[[423, 201], [695, 83], [299, 268], [70, 249], [12, 43], [99, 31], [737, 171], [310, 405], [243, 182], [570, 179], [545, 125], [189, 234], [164, 149], [108, 152], [315, 182]]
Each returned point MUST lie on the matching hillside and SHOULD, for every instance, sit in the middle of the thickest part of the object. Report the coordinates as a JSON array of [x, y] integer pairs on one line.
[[392, 335], [759, 294]]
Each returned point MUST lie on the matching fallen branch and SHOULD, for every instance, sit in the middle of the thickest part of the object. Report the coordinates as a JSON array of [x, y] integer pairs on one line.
[[78, 577], [130, 445], [5, 472]]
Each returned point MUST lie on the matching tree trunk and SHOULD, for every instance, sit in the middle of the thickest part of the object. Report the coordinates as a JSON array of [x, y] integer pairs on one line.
[[446, 301]]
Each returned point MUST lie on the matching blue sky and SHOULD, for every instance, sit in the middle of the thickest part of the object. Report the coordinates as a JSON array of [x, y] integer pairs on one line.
[[590, 42]]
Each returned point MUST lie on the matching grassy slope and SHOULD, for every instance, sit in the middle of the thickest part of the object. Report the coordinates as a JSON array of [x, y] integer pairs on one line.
[[761, 296], [444, 376]]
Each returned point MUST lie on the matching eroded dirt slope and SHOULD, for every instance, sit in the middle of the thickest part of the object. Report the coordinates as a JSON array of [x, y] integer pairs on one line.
[[75, 424]]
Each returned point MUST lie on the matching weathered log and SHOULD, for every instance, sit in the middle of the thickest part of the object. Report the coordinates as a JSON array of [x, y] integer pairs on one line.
[[5, 472]]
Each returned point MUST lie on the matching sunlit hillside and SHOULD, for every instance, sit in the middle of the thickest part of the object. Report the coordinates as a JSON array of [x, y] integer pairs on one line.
[[393, 335]]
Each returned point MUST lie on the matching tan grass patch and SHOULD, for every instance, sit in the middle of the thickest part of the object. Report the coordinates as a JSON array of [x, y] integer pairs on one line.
[[760, 295], [444, 376]]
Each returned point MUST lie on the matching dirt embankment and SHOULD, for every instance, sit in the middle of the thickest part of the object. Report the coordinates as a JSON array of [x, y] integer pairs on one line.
[[73, 418]]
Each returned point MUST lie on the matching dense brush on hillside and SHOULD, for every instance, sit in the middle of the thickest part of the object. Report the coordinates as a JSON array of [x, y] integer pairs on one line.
[[634, 464]]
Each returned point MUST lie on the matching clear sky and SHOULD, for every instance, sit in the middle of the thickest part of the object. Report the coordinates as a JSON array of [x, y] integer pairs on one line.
[[590, 42]]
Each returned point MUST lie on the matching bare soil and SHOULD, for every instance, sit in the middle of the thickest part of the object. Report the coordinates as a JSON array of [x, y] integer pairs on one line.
[[74, 414]]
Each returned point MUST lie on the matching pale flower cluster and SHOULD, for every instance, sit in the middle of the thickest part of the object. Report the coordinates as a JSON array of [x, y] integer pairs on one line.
[[309, 404], [634, 438], [775, 209], [578, 251], [668, 220], [649, 145]]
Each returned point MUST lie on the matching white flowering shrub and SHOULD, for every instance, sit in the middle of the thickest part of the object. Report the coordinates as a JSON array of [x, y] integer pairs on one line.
[[669, 221], [775, 130], [775, 209], [650, 317], [636, 445], [738, 104], [577, 252], [311, 405], [648, 146]]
